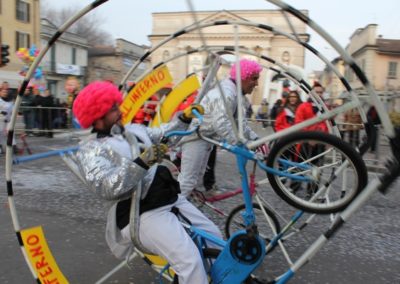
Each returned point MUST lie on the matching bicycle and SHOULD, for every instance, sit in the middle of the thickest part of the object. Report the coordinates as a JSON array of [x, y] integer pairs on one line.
[[242, 155], [268, 218], [350, 204]]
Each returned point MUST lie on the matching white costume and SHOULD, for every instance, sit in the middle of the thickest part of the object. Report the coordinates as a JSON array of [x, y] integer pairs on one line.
[[111, 171], [216, 125]]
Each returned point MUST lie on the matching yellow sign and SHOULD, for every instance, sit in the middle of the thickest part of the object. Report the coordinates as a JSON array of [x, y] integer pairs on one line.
[[142, 91], [40, 257], [175, 98]]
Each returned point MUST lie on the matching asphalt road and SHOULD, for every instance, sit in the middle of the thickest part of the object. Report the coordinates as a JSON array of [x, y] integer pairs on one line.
[[366, 250]]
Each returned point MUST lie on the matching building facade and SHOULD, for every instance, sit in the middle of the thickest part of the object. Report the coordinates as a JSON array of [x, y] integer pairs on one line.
[[379, 58], [333, 85], [19, 27], [113, 63], [255, 39], [67, 57]]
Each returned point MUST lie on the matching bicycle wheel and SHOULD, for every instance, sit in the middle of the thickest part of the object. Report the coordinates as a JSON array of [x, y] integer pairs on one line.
[[234, 222], [333, 172]]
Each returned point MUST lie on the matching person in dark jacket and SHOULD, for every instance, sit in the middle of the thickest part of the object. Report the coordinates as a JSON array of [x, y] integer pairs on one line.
[[28, 112], [45, 103], [373, 117], [274, 112]]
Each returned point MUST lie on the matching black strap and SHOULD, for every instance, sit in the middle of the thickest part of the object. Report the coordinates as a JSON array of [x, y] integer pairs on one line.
[[122, 213], [178, 214]]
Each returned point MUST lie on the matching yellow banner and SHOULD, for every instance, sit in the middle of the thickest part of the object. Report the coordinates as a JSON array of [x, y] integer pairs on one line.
[[175, 98], [142, 91], [40, 257]]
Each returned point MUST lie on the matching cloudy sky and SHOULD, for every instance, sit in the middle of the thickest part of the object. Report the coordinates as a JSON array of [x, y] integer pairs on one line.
[[131, 20]]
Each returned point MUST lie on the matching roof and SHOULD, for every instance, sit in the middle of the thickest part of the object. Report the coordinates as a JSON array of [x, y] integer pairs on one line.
[[102, 50], [234, 11], [388, 45]]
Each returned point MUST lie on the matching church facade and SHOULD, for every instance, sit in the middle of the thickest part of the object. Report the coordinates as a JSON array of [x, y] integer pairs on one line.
[[184, 54]]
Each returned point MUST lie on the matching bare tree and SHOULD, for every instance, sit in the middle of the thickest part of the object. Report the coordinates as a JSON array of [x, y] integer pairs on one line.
[[88, 27]]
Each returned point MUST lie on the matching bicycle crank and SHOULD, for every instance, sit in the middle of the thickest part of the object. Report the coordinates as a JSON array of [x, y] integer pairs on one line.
[[242, 254]]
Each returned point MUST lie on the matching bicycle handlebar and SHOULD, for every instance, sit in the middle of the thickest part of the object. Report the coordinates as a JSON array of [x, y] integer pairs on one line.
[[186, 132]]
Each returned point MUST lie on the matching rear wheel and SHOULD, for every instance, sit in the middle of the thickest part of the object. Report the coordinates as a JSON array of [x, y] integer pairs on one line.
[[234, 222], [332, 172]]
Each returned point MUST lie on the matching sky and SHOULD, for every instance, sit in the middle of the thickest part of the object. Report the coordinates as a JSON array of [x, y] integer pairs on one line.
[[131, 20]]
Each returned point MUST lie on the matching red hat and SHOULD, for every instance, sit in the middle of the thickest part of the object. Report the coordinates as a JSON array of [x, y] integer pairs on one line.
[[94, 101]]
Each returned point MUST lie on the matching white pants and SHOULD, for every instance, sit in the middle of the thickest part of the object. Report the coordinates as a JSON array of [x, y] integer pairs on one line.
[[161, 232], [195, 156]]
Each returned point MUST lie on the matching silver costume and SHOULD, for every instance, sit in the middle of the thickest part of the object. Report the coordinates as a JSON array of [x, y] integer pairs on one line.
[[108, 169], [106, 162], [216, 125], [216, 122]]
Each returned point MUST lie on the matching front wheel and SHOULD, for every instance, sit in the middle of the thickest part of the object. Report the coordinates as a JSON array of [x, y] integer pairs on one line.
[[324, 174]]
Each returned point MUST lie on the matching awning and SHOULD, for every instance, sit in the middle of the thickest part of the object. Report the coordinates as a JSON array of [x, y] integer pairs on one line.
[[12, 77]]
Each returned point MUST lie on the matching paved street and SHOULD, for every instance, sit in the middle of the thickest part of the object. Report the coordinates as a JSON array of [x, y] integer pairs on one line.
[[366, 250]]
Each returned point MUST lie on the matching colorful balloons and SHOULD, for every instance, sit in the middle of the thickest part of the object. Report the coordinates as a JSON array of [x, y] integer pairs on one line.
[[28, 56]]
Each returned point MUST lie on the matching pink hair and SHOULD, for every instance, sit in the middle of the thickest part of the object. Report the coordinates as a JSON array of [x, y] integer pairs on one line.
[[247, 69], [94, 101]]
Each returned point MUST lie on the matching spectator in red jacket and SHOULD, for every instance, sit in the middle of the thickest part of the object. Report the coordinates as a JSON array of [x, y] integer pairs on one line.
[[146, 113], [286, 116], [284, 120], [308, 110]]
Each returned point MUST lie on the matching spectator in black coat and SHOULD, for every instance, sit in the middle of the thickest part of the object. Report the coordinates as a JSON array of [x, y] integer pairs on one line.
[[45, 103]]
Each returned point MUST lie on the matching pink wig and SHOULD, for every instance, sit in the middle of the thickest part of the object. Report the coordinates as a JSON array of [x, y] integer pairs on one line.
[[94, 101], [247, 69]]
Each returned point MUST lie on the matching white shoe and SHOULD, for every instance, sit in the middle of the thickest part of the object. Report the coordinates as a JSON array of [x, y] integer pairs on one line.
[[213, 192]]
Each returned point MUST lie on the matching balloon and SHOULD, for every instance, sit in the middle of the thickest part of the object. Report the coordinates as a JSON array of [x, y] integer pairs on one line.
[[38, 73], [32, 50], [42, 88], [28, 56]]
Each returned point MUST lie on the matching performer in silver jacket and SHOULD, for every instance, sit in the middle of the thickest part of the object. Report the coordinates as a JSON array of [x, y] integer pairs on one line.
[[113, 168], [216, 124]]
